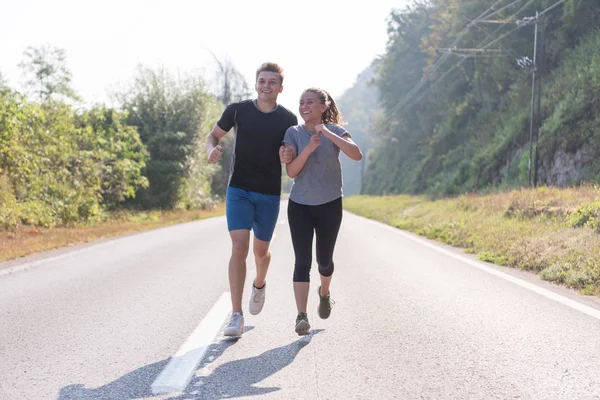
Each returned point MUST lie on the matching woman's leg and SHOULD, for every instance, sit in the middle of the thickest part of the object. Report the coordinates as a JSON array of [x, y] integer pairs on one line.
[[328, 219], [302, 231]]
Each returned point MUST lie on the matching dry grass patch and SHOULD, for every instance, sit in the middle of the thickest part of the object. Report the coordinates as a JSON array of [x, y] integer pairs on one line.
[[28, 240], [551, 231]]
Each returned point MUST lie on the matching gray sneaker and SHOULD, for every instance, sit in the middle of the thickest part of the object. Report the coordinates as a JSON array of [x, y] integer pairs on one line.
[[325, 305], [302, 325], [235, 327], [257, 299]]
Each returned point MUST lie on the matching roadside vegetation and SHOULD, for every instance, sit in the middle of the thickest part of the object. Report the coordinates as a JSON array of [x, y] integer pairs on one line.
[[25, 240], [549, 231]]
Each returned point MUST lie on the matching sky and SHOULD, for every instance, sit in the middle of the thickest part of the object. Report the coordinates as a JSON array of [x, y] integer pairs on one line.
[[324, 43]]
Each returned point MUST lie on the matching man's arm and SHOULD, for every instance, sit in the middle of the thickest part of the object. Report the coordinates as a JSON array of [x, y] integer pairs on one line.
[[213, 149]]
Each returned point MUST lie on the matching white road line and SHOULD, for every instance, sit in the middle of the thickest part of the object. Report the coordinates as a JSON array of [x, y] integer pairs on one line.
[[592, 312], [26, 266], [178, 372]]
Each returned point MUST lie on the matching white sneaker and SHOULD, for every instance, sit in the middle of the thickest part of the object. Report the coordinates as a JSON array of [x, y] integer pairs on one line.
[[235, 327], [257, 299]]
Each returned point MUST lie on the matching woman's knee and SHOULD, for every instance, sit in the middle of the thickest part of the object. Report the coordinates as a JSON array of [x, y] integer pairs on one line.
[[326, 269], [302, 273]]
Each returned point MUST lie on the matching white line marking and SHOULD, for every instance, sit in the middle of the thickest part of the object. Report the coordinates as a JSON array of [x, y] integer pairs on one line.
[[178, 372], [108, 242], [592, 312], [26, 266]]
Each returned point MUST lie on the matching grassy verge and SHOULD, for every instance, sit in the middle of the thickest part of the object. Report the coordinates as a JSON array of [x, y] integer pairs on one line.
[[549, 231], [27, 240]]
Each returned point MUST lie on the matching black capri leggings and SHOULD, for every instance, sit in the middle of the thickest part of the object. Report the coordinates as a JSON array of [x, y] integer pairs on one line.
[[305, 221]]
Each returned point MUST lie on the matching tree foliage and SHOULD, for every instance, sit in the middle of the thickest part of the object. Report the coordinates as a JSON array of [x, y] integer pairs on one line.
[[358, 106], [47, 75], [60, 166], [456, 105], [173, 114]]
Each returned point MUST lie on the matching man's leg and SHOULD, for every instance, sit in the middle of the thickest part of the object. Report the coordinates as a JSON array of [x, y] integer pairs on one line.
[[240, 214], [240, 240], [262, 257], [265, 219]]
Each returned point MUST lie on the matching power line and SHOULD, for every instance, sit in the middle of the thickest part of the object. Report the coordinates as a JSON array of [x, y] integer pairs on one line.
[[441, 60], [550, 8], [455, 50], [486, 14], [460, 62], [507, 50], [524, 61], [406, 98]]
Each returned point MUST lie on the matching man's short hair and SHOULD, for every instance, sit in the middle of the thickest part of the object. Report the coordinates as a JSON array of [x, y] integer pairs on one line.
[[270, 67]]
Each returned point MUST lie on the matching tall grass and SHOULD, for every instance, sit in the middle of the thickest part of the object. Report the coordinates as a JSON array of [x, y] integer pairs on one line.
[[550, 231]]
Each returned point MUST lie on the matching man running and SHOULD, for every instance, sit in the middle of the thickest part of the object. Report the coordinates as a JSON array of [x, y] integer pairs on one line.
[[254, 190]]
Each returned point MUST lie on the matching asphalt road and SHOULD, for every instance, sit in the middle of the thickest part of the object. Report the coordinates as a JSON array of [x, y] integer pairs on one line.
[[412, 320]]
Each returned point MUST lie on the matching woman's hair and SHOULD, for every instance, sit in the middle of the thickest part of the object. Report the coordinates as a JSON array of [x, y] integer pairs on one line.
[[270, 67], [332, 115]]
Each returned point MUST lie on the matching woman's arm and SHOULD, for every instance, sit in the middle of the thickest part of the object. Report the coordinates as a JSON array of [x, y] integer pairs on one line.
[[345, 144], [293, 168]]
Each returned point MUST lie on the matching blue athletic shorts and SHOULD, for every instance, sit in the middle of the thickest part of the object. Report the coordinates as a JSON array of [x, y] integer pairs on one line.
[[251, 210]]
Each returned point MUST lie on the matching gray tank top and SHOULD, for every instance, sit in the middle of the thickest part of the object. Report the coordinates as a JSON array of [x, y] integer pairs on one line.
[[320, 181]]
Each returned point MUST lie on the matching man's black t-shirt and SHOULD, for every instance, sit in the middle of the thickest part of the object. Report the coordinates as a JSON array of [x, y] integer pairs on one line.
[[255, 164]]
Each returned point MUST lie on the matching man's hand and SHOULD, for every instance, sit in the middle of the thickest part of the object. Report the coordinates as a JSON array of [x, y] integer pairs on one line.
[[215, 154], [286, 153]]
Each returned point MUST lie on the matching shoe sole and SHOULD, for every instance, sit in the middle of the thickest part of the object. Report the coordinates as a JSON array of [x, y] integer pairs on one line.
[[253, 312], [233, 333], [319, 307], [302, 328], [256, 312]]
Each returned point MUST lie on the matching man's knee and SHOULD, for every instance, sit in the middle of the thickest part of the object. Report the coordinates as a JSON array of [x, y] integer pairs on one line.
[[261, 253], [261, 249], [240, 243], [239, 250]]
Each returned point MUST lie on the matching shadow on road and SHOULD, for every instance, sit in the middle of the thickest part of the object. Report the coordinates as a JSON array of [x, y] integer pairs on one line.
[[232, 379], [135, 384], [236, 378]]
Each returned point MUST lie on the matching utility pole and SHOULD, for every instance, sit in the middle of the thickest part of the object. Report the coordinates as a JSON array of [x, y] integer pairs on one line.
[[526, 62], [541, 62], [532, 117]]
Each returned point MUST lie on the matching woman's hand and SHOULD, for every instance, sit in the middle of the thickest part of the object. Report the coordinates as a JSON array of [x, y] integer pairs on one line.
[[322, 129], [314, 142]]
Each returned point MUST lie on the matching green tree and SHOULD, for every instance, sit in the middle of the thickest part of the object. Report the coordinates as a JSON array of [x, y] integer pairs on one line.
[[111, 155], [456, 105], [359, 107], [172, 114], [231, 87], [47, 75], [231, 84], [60, 166]]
